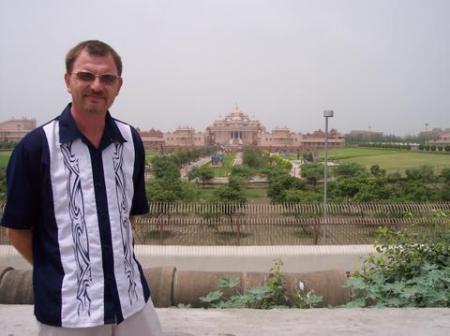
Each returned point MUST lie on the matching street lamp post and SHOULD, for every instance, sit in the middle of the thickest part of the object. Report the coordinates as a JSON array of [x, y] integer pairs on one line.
[[326, 114]]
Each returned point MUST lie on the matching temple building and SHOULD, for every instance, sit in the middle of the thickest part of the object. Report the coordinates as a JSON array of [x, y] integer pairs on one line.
[[14, 129], [184, 137], [152, 139], [237, 130], [281, 138]]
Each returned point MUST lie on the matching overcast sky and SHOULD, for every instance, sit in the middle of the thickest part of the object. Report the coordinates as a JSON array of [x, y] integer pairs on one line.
[[379, 64]]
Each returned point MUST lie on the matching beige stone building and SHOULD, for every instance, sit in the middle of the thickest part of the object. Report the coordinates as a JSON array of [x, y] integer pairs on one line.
[[281, 138], [15, 129], [184, 137], [237, 130], [316, 139], [442, 140], [152, 139]]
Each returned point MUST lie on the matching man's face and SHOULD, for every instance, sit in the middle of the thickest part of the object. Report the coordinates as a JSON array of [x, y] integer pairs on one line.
[[92, 96]]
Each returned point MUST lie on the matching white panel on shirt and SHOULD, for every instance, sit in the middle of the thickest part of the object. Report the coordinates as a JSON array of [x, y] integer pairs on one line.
[[118, 167], [78, 231]]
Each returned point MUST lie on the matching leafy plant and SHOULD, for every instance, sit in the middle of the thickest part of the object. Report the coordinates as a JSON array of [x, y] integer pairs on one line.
[[412, 269], [272, 294]]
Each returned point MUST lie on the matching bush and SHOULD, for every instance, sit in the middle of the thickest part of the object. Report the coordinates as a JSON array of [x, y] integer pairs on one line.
[[350, 169], [412, 269], [253, 158]]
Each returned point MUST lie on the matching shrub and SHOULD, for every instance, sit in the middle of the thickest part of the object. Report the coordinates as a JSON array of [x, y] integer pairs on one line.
[[412, 268]]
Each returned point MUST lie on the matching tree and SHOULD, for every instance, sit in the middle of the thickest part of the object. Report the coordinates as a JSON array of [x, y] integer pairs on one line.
[[350, 169], [312, 172], [423, 173], [242, 171], [375, 170], [346, 187], [295, 196], [165, 167], [445, 174], [203, 173], [233, 192], [253, 158], [374, 190], [279, 184]]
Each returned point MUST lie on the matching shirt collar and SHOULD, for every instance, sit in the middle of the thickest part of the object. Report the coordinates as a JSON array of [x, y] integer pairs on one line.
[[68, 129]]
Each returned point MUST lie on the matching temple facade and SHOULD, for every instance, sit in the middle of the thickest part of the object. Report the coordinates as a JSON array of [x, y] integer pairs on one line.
[[184, 137], [237, 130], [234, 131]]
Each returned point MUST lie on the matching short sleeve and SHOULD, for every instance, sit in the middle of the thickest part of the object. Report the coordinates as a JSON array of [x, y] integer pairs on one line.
[[22, 198], [140, 203]]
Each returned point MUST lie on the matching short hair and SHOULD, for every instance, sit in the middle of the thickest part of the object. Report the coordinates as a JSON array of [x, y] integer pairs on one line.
[[95, 48]]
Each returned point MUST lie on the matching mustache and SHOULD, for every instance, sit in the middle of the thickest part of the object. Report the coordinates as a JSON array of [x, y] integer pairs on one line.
[[99, 94]]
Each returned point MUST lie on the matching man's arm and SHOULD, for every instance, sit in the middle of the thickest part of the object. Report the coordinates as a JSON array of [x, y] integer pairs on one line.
[[23, 242]]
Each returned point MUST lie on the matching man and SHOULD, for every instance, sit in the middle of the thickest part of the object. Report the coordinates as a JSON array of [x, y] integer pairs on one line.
[[73, 184]]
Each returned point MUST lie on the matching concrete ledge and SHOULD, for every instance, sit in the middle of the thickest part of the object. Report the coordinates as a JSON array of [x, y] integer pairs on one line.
[[254, 258], [19, 320], [234, 258]]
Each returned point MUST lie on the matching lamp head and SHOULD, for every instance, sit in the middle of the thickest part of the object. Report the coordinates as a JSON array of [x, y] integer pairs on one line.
[[328, 113]]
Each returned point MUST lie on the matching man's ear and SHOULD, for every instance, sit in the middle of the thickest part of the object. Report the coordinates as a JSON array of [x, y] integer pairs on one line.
[[67, 80], [120, 85]]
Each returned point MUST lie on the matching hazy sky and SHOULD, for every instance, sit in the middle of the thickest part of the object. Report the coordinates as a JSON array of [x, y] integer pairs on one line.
[[383, 64]]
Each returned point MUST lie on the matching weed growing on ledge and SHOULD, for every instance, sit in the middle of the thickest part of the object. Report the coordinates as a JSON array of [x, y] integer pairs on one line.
[[412, 268], [272, 294]]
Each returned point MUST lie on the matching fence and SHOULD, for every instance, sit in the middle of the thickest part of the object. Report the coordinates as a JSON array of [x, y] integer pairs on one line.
[[281, 224]]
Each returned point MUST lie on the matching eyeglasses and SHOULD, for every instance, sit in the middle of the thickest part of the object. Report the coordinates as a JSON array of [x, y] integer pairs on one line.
[[89, 77]]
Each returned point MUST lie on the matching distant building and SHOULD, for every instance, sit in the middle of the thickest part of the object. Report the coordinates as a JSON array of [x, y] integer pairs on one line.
[[184, 137], [280, 139], [14, 129], [152, 139], [234, 131], [434, 134], [442, 140], [237, 130], [316, 139]]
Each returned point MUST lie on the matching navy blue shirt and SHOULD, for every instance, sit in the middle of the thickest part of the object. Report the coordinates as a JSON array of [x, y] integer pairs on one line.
[[77, 199]]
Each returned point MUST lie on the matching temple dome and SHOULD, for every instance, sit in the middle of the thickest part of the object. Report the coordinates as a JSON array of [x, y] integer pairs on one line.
[[237, 116]]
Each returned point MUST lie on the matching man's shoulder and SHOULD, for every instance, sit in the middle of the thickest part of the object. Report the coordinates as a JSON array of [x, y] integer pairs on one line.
[[123, 123], [34, 140], [134, 131]]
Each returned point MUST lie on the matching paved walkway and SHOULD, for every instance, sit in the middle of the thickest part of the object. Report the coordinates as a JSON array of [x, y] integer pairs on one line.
[[18, 320], [184, 171], [296, 168]]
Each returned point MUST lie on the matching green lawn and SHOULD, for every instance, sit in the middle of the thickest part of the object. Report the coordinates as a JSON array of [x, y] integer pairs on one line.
[[390, 159], [393, 160], [4, 158]]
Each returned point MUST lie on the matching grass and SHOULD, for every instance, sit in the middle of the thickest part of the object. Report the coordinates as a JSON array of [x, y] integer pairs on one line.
[[391, 160], [4, 158]]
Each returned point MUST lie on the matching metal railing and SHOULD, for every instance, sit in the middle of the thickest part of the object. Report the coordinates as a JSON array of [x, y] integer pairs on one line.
[[281, 224]]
